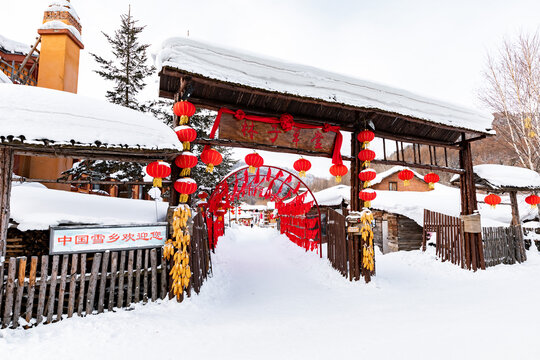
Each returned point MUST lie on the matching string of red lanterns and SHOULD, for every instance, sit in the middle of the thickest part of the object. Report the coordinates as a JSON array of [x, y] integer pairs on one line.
[[431, 179], [533, 200], [406, 176], [211, 157], [186, 161], [338, 170], [492, 200], [158, 170]]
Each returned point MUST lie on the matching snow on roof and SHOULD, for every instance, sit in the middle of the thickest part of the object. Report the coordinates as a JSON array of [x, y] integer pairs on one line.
[[4, 79], [333, 196], [13, 47], [60, 25], [383, 175], [65, 118], [34, 207], [499, 176], [239, 67]]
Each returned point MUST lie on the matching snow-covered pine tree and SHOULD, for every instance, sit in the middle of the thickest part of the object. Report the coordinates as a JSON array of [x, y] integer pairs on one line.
[[130, 69]]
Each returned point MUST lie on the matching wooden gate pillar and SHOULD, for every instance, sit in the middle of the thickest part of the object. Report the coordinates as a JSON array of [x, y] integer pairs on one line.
[[474, 250], [6, 172]]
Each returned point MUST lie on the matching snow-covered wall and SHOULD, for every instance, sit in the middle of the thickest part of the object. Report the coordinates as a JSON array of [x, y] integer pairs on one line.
[[239, 67], [63, 118]]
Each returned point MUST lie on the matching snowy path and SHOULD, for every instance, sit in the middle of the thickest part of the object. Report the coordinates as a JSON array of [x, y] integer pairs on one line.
[[269, 299]]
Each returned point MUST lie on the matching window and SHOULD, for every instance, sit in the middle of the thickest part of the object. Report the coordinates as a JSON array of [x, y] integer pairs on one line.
[[392, 186]]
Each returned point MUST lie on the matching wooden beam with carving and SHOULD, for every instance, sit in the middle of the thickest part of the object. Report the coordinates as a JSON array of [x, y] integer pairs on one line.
[[258, 132]]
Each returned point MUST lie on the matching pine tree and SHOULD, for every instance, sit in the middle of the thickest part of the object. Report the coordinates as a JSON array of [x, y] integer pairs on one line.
[[129, 70]]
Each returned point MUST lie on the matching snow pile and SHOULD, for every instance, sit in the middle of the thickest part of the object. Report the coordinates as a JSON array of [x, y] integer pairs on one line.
[[60, 25], [255, 71], [333, 196], [13, 47], [65, 118], [34, 207], [269, 299], [501, 175], [383, 175]]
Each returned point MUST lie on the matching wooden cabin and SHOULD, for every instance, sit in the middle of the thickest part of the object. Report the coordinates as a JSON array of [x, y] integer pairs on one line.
[[395, 232], [389, 180]]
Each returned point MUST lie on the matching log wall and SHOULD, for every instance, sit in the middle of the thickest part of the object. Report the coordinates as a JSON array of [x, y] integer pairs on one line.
[[503, 245]]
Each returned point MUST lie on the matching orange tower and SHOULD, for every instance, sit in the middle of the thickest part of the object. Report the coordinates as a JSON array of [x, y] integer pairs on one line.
[[58, 69]]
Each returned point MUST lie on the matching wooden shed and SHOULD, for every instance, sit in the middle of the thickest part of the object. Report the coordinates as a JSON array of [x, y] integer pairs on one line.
[[395, 232]]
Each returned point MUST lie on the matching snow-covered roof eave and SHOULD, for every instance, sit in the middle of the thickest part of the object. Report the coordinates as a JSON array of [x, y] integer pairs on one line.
[[62, 119], [257, 72]]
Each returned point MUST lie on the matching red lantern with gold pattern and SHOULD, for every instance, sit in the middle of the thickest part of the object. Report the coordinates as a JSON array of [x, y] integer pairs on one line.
[[211, 157], [186, 134], [365, 137], [533, 200], [185, 187], [366, 156], [186, 161], [158, 170], [366, 176], [406, 176], [254, 161], [492, 200], [338, 170], [431, 179], [302, 166], [367, 196], [185, 110]]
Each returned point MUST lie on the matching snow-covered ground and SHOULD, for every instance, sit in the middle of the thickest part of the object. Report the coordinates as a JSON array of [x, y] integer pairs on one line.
[[268, 299]]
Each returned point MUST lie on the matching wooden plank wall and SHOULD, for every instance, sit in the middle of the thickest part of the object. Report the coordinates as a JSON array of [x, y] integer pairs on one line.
[[503, 245], [449, 243], [52, 288]]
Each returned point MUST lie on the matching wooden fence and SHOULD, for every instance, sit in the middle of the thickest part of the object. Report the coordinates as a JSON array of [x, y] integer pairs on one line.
[[49, 288], [337, 241], [503, 245], [449, 242]]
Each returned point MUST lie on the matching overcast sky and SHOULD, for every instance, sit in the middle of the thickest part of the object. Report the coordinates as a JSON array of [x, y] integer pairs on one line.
[[434, 48]]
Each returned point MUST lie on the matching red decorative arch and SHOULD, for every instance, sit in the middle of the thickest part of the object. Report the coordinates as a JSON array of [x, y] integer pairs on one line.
[[218, 193]]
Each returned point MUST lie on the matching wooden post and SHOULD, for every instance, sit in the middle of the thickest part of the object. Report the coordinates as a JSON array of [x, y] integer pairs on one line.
[[515, 209], [474, 253], [6, 171]]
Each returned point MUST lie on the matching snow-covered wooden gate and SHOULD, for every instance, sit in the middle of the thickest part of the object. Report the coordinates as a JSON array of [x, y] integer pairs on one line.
[[337, 241]]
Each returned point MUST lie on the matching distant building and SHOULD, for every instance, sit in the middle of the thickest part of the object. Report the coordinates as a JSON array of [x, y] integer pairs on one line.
[[388, 180]]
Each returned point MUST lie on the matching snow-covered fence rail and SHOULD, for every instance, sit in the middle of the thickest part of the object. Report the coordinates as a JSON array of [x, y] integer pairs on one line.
[[503, 245], [51, 288]]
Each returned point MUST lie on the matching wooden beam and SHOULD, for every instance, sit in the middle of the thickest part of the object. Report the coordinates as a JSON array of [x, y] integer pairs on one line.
[[98, 153], [419, 166], [516, 220], [273, 148], [415, 140], [79, 182], [6, 173], [216, 105]]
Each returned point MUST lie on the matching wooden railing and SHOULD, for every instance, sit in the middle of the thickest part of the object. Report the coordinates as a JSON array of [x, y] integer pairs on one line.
[[50, 288], [336, 236], [503, 245], [449, 242]]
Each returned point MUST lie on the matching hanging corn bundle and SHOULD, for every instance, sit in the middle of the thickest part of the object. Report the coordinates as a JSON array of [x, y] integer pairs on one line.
[[177, 247]]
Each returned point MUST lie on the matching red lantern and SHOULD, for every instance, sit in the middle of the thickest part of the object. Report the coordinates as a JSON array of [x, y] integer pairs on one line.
[[220, 213], [492, 200], [366, 156], [254, 161], [203, 204], [158, 170], [185, 110], [211, 158], [367, 196], [406, 176], [186, 161], [431, 179], [302, 166], [202, 195], [338, 171], [186, 187], [186, 135], [365, 137], [367, 176], [533, 200]]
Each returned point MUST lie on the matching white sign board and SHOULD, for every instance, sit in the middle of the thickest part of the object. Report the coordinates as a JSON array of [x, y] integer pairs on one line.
[[83, 239]]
